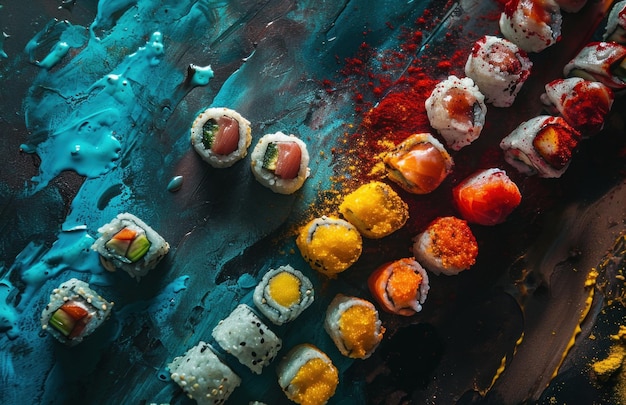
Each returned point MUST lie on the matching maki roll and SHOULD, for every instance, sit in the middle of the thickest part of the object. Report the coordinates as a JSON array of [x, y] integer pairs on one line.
[[330, 245], [354, 326], [74, 312], [129, 244], [246, 337], [533, 25], [283, 294], [583, 104], [447, 246], [499, 69], [604, 62], [281, 162], [203, 376], [456, 109], [419, 164], [486, 197], [543, 145], [221, 136], [375, 209], [307, 375], [616, 24], [400, 287]]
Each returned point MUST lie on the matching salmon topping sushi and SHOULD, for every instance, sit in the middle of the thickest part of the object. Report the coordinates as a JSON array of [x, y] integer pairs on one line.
[[419, 164], [486, 197]]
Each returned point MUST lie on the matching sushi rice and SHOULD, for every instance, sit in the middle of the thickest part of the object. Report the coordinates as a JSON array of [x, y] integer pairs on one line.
[[207, 154], [244, 335], [354, 326], [267, 177], [203, 376], [111, 260], [283, 294], [76, 291]]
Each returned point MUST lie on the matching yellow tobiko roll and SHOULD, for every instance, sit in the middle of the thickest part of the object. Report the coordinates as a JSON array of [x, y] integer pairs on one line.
[[354, 326], [307, 375], [375, 209], [330, 245]]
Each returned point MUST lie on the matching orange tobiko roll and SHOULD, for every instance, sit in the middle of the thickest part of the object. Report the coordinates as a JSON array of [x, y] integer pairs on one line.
[[447, 246], [400, 287], [486, 197]]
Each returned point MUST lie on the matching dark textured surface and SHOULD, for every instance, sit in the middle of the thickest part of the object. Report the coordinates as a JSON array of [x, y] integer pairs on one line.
[[270, 59]]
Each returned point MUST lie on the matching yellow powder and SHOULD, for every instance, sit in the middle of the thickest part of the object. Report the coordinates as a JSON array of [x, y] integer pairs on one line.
[[315, 383], [284, 288], [358, 328], [375, 209], [604, 369]]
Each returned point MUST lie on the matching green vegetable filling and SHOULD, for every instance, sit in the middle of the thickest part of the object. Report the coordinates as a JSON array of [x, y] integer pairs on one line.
[[271, 157], [138, 248], [130, 249], [62, 322], [209, 130]]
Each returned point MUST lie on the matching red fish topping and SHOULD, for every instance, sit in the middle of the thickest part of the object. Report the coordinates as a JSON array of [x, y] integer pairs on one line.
[[460, 105], [226, 139], [487, 197], [76, 311], [289, 159]]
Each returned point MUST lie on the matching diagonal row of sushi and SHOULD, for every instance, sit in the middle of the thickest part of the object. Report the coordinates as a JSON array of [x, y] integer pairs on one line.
[[305, 373], [221, 137]]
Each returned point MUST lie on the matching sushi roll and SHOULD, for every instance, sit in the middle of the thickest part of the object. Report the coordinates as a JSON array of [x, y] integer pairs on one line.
[[583, 104], [446, 246], [307, 375], [330, 245], [245, 336], [499, 68], [543, 145], [221, 136], [283, 294], [486, 197], [616, 24], [456, 109], [129, 244], [400, 287], [533, 25], [281, 162], [419, 164], [375, 209], [203, 376], [604, 62], [74, 312], [354, 326]]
